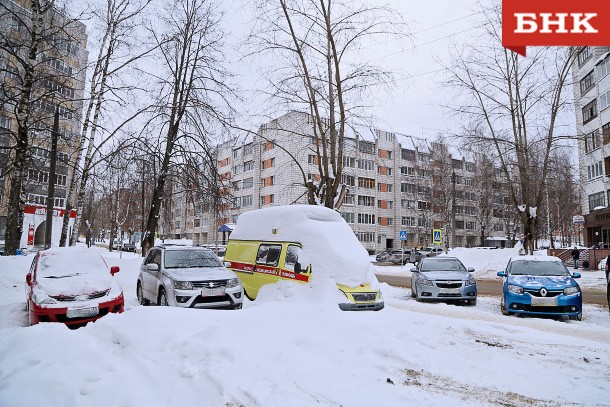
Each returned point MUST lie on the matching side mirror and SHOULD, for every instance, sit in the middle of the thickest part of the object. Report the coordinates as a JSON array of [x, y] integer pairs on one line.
[[28, 278], [576, 275], [152, 267], [470, 269], [501, 274], [114, 270], [227, 264], [297, 267], [413, 269]]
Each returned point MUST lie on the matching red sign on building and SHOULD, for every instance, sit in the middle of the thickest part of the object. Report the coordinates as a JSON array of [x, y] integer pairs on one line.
[[31, 235], [554, 23]]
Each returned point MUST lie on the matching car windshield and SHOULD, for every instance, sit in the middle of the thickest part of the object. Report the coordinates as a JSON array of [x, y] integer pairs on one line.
[[190, 259], [58, 265], [441, 264], [537, 268]]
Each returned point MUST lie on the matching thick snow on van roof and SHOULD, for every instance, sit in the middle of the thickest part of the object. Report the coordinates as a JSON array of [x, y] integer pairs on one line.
[[329, 244]]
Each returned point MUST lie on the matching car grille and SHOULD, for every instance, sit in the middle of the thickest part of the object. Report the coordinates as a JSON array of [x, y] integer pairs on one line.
[[210, 284], [448, 284], [446, 295], [83, 297], [536, 293], [364, 296]]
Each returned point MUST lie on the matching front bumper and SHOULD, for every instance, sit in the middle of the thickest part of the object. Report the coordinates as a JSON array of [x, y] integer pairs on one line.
[[568, 305], [349, 306], [46, 314], [436, 293], [196, 298]]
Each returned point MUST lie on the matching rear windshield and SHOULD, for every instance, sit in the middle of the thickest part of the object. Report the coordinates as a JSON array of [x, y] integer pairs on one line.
[[537, 268], [440, 264], [190, 259]]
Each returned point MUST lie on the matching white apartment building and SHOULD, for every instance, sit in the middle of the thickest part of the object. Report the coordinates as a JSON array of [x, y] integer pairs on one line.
[[591, 74], [390, 179]]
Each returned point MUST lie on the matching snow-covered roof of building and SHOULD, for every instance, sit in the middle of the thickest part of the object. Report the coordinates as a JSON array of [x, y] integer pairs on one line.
[[329, 244]]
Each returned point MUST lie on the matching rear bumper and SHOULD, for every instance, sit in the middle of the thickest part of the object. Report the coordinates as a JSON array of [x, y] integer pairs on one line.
[[349, 306]]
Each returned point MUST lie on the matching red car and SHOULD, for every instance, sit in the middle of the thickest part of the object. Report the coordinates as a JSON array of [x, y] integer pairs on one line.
[[71, 285]]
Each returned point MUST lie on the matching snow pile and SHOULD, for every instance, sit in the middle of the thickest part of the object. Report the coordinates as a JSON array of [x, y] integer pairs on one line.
[[328, 242], [486, 262]]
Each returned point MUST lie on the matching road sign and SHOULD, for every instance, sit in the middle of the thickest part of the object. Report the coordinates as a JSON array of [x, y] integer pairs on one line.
[[437, 236], [402, 235], [578, 219]]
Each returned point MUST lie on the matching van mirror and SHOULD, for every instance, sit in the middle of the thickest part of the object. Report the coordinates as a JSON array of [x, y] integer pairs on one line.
[[152, 267], [228, 264], [297, 267]]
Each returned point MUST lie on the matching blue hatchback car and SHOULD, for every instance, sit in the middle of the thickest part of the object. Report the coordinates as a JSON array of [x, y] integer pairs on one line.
[[540, 285]]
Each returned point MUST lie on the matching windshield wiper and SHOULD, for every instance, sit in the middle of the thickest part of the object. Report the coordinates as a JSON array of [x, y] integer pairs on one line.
[[67, 275]]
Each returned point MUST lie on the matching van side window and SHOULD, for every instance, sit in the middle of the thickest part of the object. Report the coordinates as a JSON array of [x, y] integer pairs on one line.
[[268, 254], [292, 256]]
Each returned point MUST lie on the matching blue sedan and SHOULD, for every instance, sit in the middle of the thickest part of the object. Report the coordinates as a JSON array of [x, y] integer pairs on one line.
[[540, 285]]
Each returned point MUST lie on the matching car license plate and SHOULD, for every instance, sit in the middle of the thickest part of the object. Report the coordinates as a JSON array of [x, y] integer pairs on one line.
[[212, 292], [449, 290], [82, 312], [544, 301]]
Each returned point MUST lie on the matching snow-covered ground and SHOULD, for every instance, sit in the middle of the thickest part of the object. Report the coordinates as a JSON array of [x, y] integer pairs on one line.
[[487, 262], [293, 347]]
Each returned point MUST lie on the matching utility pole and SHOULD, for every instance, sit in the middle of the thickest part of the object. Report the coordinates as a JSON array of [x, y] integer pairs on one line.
[[51, 189], [453, 209]]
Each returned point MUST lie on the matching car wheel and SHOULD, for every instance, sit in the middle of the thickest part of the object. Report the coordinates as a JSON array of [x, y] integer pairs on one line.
[[472, 302], [141, 299], [577, 317], [503, 308], [237, 306], [412, 292], [416, 296], [162, 297]]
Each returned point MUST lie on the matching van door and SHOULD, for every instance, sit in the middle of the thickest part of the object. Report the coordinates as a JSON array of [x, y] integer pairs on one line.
[[266, 269], [289, 271]]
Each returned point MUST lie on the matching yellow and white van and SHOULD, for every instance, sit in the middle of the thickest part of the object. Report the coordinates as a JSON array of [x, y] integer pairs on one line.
[[298, 242]]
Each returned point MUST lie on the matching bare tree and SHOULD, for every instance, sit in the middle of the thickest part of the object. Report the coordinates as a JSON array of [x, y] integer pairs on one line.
[[513, 105], [318, 68], [193, 95]]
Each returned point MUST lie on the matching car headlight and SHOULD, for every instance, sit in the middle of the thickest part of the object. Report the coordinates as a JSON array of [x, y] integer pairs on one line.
[[470, 281], [515, 289], [183, 285], [234, 282], [425, 281], [570, 290]]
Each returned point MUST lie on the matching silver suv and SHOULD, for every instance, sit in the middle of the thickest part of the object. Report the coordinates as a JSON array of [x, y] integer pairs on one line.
[[189, 277]]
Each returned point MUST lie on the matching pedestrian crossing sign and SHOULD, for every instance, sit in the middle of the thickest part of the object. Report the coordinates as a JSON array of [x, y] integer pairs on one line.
[[436, 236], [402, 235]]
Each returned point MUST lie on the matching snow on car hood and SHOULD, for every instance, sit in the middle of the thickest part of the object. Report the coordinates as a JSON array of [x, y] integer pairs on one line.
[[446, 275], [200, 274], [328, 242], [542, 281]]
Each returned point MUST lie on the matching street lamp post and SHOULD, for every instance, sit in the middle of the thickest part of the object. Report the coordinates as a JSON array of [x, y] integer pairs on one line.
[[453, 209]]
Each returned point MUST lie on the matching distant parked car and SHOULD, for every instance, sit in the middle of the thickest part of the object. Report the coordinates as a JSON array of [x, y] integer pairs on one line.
[[404, 257], [540, 285], [442, 279], [432, 250], [128, 247], [71, 285], [188, 277], [383, 256]]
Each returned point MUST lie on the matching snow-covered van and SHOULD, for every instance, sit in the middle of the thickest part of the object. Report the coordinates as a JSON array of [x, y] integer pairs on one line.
[[299, 243]]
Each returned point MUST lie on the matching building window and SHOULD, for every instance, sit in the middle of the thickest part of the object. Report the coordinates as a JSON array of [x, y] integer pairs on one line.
[[407, 204], [312, 159], [349, 162], [248, 149], [584, 55], [248, 183], [246, 200], [236, 152], [366, 147], [368, 165], [267, 199], [586, 83], [470, 210], [383, 221], [385, 154], [349, 180], [366, 218], [237, 169], [606, 132], [589, 112], [269, 163], [383, 204], [499, 227], [268, 181], [366, 182], [408, 221], [349, 217], [592, 141], [596, 200], [407, 154], [365, 200], [381, 187], [468, 182], [471, 226], [408, 171], [407, 188], [604, 100], [384, 170], [248, 166], [269, 145], [349, 199], [470, 167], [365, 236], [603, 68], [594, 170]]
